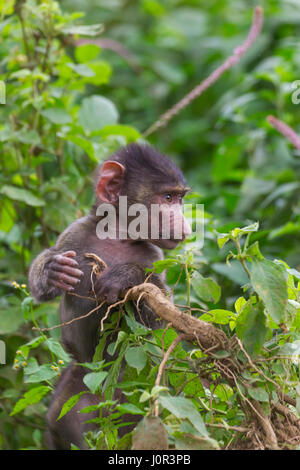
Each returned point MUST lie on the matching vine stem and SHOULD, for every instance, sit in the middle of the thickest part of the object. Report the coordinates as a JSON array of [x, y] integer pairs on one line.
[[188, 281], [285, 130], [214, 76], [241, 259]]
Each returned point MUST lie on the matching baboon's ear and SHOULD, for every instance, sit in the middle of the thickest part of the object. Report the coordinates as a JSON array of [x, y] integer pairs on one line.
[[110, 181]]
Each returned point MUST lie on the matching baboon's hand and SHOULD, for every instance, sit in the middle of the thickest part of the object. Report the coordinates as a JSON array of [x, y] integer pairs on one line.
[[63, 271]]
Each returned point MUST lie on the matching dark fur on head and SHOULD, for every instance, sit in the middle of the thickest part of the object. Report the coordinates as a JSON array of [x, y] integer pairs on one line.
[[147, 172]]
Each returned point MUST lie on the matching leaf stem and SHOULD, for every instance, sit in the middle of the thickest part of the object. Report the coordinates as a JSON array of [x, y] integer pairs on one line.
[[188, 281], [24, 34], [241, 256]]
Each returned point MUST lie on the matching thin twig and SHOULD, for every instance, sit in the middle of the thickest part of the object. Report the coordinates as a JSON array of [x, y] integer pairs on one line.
[[119, 302], [259, 371], [224, 426], [214, 76], [71, 321], [162, 367], [192, 309], [262, 418], [82, 296]]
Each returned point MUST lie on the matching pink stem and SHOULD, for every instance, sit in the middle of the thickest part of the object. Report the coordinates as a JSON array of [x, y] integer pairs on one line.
[[285, 130], [213, 77]]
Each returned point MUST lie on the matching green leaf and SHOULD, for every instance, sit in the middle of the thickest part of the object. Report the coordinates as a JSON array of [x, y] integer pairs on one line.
[[89, 409], [34, 343], [84, 30], [192, 442], [136, 357], [251, 327], [222, 239], [157, 389], [112, 347], [44, 372], [28, 136], [239, 304], [102, 73], [259, 394], [7, 215], [296, 319], [129, 408], [235, 272], [57, 115], [93, 380], [236, 232], [291, 349], [294, 272], [150, 434], [57, 349], [11, 319], [129, 132], [21, 74], [251, 190], [6, 7], [68, 405], [184, 409], [145, 396], [285, 189], [136, 327], [219, 316], [114, 372], [83, 143], [206, 288], [27, 305], [253, 250], [286, 229], [86, 52], [96, 112], [34, 395], [269, 281], [95, 366], [81, 69], [161, 265], [23, 195]]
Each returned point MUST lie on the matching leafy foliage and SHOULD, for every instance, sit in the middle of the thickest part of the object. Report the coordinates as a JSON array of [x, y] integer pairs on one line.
[[69, 104]]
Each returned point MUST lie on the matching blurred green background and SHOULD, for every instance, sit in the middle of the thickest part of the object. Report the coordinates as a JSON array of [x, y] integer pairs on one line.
[[151, 54]]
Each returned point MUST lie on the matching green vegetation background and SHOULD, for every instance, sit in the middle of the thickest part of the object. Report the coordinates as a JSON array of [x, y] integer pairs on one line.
[[52, 134]]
